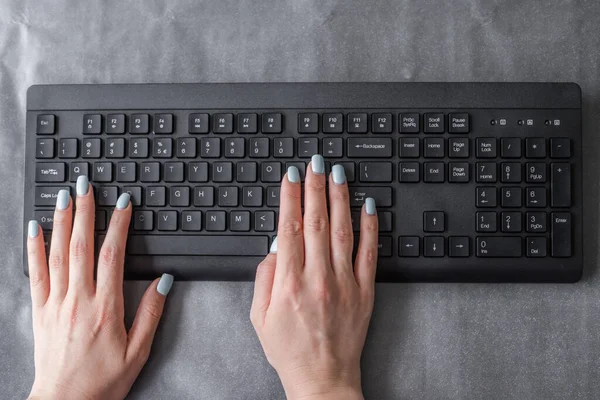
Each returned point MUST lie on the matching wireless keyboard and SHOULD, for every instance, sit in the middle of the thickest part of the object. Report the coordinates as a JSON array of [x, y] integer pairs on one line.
[[472, 181]]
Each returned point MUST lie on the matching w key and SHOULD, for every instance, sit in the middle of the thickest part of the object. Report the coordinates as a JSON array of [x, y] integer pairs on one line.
[[375, 172]]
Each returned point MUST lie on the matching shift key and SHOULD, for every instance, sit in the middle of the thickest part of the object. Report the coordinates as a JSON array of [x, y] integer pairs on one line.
[[369, 147], [381, 195]]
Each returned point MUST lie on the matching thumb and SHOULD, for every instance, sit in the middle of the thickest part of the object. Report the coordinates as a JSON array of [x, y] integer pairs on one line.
[[263, 286], [146, 319]]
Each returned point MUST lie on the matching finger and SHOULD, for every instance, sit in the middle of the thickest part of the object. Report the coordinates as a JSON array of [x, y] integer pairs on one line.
[[341, 236], [290, 243], [39, 281], [58, 262], [81, 254], [112, 254], [366, 258], [316, 221], [263, 286], [146, 320]]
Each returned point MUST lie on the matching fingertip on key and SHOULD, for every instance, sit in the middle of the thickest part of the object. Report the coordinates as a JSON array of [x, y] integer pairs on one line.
[[339, 174], [293, 174], [82, 186], [123, 201], [32, 229], [370, 206], [62, 199]]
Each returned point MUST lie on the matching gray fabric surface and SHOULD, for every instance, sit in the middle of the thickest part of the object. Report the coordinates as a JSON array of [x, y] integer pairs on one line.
[[426, 341]]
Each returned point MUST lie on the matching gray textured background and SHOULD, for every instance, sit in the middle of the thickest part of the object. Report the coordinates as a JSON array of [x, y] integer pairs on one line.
[[442, 341]]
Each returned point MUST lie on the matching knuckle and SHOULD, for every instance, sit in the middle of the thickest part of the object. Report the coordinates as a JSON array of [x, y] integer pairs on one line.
[[37, 279], [316, 185], [317, 223], [292, 228], [104, 318], [79, 248], [292, 194], [371, 226], [56, 261], [85, 207], [339, 195], [61, 220], [344, 235], [152, 311], [110, 254], [322, 291], [369, 255]]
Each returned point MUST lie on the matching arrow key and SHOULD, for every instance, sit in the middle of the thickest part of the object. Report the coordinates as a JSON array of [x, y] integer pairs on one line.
[[433, 246], [408, 246], [459, 246], [433, 221]]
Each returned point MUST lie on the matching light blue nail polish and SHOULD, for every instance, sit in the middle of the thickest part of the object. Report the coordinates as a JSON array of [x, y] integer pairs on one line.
[[317, 164], [338, 174], [370, 206], [32, 228], [82, 185], [62, 199], [123, 201], [164, 284], [293, 174], [273, 248]]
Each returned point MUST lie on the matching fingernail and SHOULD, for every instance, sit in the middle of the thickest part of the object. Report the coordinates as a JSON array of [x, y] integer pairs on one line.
[[273, 248], [339, 175], [293, 174], [32, 228], [123, 201], [318, 164], [164, 284], [82, 185], [370, 206], [62, 200]]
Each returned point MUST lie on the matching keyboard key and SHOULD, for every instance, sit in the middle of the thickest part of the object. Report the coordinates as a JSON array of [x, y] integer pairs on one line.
[[102, 172], [210, 147], [434, 147], [384, 247], [264, 221], [270, 172], [222, 172], [247, 123], [155, 196], [536, 247], [561, 235], [510, 147], [228, 196], [348, 170], [77, 169], [107, 195], [382, 123], [139, 124], [458, 246], [382, 195], [252, 196], [150, 172], [204, 196], [511, 197], [272, 123], [499, 246], [375, 172], [369, 147], [138, 148], [198, 172], [273, 196], [46, 195], [126, 172], [458, 172], [486, 147], [536, 222], [114, 148], [408, 246], [409, 172], [283, 147], [259, 147], [100, 220], [333, 147], [511, 222], [486, 172], [357, 123], [510, 172], [386, 221], [433, 246], [486, 221], [163, 123], [239, 221], [223, 123], [191, 221], [142, 221], [307, 147], [535, 197], [434, 123], [198, 123], [44, 148], [45, 218], [458, 123], [186, 147], [115, 124], [198, 245], [92, 124], [409, 123], [433, 221], [560, 185], [560, 148], [67, 148], [458, 147], [135, 193], [434, 172], [167, 220], [163, 148], [50, 172], [333, 123], [308, 123], [535, 147], [536, 173], [235, 148], [486, 197], [179, 196], [409, 147], [45, 124], [91, 148]]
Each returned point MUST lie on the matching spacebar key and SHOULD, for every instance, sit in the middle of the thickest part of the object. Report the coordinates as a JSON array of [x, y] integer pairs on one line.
[[154, 245]]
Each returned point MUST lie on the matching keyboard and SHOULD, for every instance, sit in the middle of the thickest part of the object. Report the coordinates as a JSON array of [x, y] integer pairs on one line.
[[474, 182]]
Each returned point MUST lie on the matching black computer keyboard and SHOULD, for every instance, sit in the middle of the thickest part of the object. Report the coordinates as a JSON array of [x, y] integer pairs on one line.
[[472, 181]]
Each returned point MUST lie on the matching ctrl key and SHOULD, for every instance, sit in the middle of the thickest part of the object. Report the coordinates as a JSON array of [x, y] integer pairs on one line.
[[45, 218], [499, 246]]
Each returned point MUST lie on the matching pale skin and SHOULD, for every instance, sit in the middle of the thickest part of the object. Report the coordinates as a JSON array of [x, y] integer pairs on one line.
[[311, 308]]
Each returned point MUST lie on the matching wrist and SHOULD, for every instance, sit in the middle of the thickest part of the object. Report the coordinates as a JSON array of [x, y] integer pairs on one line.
[[314, 384], [58, 392]]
